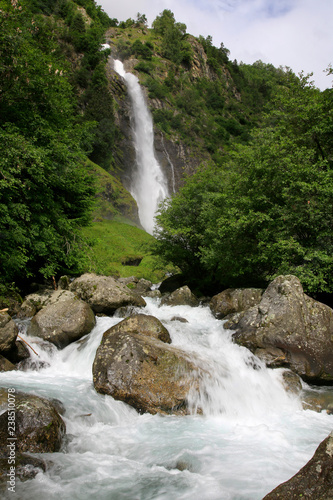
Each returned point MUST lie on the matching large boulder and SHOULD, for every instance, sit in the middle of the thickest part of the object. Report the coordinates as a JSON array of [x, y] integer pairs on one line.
[[290, 329], [313, 481], [63, 322], [234, 300], [105, 294], [134, 366], [8, 333], [38, 426], [143, 324], [181, 297]]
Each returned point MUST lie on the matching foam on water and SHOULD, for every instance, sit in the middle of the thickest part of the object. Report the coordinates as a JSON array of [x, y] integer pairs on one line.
[[251, 437]]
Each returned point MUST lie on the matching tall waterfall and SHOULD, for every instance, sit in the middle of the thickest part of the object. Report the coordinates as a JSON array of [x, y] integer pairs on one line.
[[148, 185]]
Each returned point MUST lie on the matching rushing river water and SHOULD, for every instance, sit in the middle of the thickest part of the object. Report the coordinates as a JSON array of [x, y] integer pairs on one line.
[[251, 437]]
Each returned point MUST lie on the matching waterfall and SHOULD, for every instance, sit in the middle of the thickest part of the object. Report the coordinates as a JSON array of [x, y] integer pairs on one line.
[[251, 436], [148, 186]]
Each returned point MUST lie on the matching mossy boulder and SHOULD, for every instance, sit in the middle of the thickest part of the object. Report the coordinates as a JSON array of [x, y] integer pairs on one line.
[[105, 294], [234, 300], [63, 322], [134, 366], [38, 426], [289, 328]]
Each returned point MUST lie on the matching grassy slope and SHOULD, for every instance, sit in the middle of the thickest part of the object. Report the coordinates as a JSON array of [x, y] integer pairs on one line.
[[114, 243]]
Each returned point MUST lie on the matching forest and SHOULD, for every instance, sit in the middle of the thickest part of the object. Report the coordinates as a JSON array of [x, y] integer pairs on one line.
[[261, 202]]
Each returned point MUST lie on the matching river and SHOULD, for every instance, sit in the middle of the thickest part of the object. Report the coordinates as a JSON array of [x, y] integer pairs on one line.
[[251, 436]]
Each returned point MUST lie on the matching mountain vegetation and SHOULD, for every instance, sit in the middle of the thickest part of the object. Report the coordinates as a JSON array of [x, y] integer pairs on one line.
[[257, 203]]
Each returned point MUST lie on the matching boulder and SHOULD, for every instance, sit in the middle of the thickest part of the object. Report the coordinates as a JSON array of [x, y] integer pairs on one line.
[[313, 481], [144, 325], [105, 294], [180, 297], [63, 322], [136, 367], [139, 286], [18, 353], [36, 301], [38, 426], [6, 365], [288, 328], [234, 300], [8, 333], [26, 467]]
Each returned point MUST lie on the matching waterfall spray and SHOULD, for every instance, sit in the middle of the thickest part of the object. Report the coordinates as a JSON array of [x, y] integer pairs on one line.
[[148, 185]]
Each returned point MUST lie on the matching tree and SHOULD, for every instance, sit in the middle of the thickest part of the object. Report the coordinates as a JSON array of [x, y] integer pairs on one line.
[[267, 210], [45, 192]]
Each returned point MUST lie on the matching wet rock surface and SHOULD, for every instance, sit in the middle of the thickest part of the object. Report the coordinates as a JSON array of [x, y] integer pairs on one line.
[[314, 481], [38, 426], [288, 328], [134, 366]]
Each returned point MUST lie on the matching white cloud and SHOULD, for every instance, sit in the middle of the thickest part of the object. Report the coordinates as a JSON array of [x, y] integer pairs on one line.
[[293, 33]]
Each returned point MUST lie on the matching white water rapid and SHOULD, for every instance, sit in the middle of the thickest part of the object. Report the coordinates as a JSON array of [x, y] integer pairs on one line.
[[251, 437], [149, 187]]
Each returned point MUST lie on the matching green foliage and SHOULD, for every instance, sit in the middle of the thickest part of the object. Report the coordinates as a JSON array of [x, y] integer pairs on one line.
[[45, 192], [174, 45], [267, 209], [111, 243]]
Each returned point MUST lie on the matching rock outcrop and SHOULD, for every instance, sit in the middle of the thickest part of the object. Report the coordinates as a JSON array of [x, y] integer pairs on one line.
[[234, 300], [64, 321], [314, 481], [288, 328], [134, 366], [105, 294]]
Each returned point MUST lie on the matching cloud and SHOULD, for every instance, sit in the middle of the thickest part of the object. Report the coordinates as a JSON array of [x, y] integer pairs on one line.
[[293, 33]]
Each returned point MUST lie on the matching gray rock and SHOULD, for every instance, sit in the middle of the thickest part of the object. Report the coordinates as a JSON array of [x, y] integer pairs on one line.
[[291, 326], [6, 365], [8, 333], [144, 372], [234, 300], [314, 481], [180, 297], [63, 322], [38, 426], [142, 324], [105, 294]]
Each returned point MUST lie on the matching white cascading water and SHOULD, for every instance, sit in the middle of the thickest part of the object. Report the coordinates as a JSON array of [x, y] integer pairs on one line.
[[149, 187], [251, 436]]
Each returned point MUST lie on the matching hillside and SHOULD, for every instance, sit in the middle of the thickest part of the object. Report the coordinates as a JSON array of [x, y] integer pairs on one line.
[[250, 145]]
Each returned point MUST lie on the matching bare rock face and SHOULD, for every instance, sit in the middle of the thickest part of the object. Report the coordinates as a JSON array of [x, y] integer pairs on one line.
[[38, 426], [234, 300], [181, 297], [290, 327], [63, 322], [105, 294], [134, 366], [313, 481]]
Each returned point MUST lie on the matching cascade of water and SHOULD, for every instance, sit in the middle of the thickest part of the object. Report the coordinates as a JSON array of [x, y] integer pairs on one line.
[[251, 436], [149, 187], [171, 165]]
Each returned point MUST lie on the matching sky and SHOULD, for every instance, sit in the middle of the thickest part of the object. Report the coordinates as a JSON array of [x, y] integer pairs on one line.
[[293, 33]]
